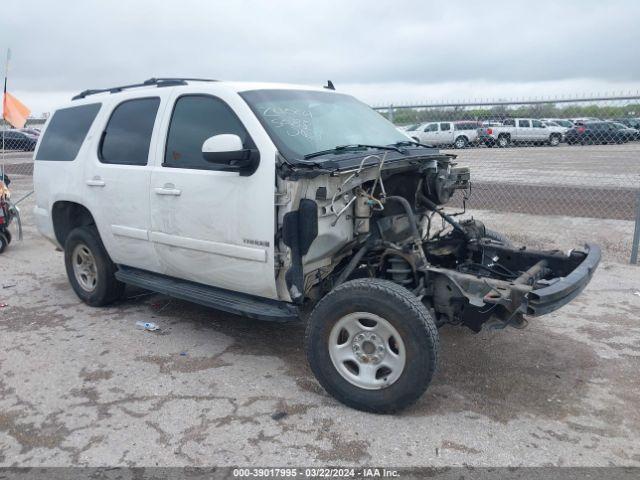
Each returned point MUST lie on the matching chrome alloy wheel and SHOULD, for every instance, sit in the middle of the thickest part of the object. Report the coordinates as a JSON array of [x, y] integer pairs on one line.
[[367, 350], [84, 267]]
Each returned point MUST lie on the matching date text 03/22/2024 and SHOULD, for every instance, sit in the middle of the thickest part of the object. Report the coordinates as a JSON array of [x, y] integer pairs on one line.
[[315, 472]]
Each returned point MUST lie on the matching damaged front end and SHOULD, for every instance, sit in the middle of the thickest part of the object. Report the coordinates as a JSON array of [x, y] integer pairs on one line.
[[381, 216], [497, 285]]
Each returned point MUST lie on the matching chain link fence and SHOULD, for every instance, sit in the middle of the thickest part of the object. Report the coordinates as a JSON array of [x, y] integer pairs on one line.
[[548, 173], [17, 146]]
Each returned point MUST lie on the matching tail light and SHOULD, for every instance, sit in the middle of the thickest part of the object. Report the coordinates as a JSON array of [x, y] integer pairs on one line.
[[489, 131], [581, 129]]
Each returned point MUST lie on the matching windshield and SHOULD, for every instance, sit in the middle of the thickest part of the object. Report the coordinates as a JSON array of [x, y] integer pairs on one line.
[[301, 122]]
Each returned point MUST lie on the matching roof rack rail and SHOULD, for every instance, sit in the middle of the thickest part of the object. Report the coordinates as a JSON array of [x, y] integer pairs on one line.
[[158, 82]]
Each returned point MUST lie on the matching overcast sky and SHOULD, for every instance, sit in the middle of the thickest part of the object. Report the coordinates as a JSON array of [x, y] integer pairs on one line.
[[383, 51]]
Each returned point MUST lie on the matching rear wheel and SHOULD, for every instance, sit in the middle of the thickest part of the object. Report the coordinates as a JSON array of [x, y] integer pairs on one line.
[[89, 268], [461, 142], [372, 345], [503, 141]]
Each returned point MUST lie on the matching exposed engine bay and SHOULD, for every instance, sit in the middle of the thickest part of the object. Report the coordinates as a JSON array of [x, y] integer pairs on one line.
[[386, 220]]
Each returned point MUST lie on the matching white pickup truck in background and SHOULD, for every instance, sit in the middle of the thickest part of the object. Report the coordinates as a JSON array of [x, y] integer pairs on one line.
[[520, 130], [458, 134]]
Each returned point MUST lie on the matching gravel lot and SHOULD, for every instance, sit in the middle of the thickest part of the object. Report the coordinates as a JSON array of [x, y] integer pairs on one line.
[[83, 386]]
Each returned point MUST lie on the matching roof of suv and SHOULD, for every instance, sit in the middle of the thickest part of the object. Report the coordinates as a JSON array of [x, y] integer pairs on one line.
[[174, 82]]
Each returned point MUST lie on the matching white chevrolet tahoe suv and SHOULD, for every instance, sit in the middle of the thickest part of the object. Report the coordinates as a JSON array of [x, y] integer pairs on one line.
[[273, 200]]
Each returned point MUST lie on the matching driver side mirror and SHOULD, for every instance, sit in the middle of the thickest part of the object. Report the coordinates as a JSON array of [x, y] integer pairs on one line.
[[226, 150]]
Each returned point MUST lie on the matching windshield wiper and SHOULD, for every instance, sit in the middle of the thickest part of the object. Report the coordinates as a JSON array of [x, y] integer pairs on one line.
[[357, 146], [407, 143]]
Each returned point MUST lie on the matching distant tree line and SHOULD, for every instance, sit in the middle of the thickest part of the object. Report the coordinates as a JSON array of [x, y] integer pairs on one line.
[[405, 116]]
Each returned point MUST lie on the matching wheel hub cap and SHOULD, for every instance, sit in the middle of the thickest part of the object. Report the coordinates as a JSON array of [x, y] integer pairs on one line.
[[367, 350], [368, 347], [84, 268]]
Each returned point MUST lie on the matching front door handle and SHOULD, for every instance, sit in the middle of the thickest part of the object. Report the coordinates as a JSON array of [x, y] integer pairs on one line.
[[96, 182], [168, 189]]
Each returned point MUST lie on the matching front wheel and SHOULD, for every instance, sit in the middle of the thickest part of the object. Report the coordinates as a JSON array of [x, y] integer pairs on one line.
[[372, 345], [554, 140], [90, 269]]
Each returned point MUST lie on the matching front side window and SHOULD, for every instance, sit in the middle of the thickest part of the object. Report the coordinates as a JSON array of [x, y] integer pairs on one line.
[[537, 124], [301, 122], [196, 118], [509, 123], [432, 127], [66, 131], [127, 138]]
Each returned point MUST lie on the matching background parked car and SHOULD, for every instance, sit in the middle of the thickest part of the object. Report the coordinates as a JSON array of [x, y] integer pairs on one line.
[[31, 131], [629, 122], [563, 122], [520, 131], [594, 132], [458, 134], [16, 140], [555, 127], [631, 133]]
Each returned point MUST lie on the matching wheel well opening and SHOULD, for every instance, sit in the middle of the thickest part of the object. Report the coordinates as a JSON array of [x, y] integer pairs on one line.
[[69, 215]]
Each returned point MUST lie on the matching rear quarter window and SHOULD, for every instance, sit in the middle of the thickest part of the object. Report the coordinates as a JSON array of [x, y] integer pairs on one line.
[[66, 131], [466, 126]]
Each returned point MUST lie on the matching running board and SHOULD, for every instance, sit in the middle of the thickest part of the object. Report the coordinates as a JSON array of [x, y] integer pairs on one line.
[[225, 300]]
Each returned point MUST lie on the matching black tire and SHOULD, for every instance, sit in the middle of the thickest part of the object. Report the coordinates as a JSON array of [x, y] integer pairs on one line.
[[554, 140], [107, 288], [498, 237], [7, 234], [503, 141], [405, 313], [4, 241], [461, 142]]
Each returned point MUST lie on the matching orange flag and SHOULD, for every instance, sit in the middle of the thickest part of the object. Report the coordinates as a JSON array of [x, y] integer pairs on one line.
[[14, 111]]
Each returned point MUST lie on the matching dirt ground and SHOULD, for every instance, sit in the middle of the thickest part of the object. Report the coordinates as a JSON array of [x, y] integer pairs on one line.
[[83, 386]]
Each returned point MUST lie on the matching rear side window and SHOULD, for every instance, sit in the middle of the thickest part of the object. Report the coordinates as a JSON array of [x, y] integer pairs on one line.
[[196, 118], [127, 137], [445, 127], [524, 123], [66, 131]]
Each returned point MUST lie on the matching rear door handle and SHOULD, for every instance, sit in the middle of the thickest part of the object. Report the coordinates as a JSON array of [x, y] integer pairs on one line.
[[96, 182], [167, 190]]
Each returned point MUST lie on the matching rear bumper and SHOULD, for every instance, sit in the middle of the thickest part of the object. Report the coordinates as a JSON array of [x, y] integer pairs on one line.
[[561, 291]]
